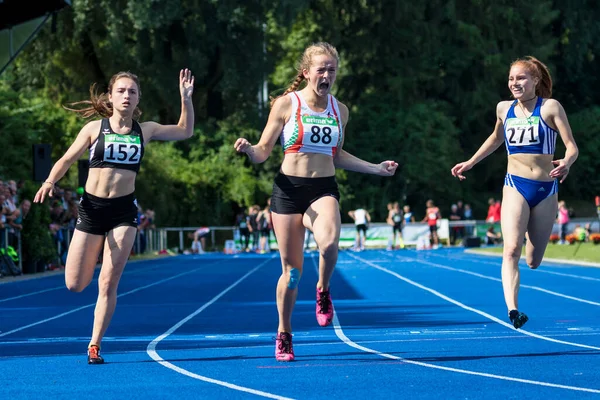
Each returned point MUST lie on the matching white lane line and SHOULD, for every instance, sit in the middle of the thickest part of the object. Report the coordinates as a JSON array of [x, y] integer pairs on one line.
[[93, 304], [549, 262], [465, 307], [340, 334], [587, 278], [32, 293], [126, 273], [151, 349], [542, 269], [539, 289]]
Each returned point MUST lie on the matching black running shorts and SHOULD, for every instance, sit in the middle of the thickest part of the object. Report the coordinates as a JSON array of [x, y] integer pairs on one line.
[[398, 228], [98, 215], [294, 194], [361, 227]]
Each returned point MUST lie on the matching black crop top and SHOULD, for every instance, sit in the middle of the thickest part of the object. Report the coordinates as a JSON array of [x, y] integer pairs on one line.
[[114, 150]]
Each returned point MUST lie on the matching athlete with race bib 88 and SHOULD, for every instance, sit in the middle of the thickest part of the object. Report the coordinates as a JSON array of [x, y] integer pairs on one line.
[[528, 126], [310, 123], [108, 208]]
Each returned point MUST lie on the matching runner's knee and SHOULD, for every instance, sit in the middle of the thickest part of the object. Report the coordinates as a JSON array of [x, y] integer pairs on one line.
[[512, 252], [294, 276], [328, 248]]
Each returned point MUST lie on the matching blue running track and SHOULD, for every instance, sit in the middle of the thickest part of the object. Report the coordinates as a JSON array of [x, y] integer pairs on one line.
[[408, 325]]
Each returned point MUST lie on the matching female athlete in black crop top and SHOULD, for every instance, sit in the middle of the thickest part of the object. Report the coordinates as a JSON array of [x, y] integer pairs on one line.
[[108, 209]]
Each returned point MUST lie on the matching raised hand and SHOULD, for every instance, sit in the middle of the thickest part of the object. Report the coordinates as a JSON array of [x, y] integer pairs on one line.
[[387, 168], [561, 170], [186, 84], [461, 168], [47, 189], [242, 145]]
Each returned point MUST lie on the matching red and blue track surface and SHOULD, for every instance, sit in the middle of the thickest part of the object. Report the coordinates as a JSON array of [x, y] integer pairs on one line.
[[408, 324]]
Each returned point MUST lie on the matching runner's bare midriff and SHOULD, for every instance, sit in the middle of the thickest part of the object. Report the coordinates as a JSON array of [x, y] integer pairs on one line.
[[531, 166], [308, 165], [109, 183]]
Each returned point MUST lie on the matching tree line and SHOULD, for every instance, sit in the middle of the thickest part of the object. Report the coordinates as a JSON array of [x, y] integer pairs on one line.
[[421, 81]]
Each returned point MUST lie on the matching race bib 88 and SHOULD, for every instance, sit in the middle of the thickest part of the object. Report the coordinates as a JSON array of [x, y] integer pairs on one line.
[[320, 131], [523, 131], [122, 149]]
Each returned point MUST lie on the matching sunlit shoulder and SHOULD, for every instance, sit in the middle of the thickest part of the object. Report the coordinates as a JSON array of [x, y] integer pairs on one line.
[[282, 107], [91, 128], [552, 104], [502, 108]]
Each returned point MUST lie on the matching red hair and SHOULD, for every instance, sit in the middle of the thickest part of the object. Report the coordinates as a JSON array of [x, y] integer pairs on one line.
[[539, 70]]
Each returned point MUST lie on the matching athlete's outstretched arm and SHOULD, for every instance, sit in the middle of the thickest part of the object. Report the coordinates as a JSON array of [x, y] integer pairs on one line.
[[79, 146], [277, 118], [185, 127], [561, 122], [347, 161], [492, 143]]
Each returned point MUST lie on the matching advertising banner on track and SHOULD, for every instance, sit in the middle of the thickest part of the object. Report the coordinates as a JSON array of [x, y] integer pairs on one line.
[[380, 235]]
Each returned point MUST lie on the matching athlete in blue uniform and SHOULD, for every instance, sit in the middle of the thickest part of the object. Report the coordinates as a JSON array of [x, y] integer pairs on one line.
[[107, 209], [310, 123], [528, 126]]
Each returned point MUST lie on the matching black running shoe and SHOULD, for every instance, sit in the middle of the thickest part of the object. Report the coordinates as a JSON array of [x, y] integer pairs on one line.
[[517, 318], [94, 356]]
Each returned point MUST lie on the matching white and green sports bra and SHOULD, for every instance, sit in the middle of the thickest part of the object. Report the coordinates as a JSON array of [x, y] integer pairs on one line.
[[309, 131]]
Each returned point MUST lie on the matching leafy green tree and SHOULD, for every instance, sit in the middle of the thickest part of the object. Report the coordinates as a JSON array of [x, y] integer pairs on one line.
[[421, 80]]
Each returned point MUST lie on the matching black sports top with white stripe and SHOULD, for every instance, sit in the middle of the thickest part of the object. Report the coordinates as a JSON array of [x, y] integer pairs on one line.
[[114, 150]]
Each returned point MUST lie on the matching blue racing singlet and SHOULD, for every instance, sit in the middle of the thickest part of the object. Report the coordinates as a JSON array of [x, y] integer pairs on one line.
[[528, 135]]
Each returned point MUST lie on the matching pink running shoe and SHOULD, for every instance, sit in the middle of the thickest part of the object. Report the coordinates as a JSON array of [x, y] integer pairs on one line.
[[284, 350], [324, 307]]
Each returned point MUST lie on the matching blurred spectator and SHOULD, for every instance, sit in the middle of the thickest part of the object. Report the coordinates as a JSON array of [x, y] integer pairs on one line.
[[9, 202], [253, 226], [17, 224], [468, 216], [361, 219], [57, 212], [432, 215], [242, 223], [145, 222], [199, 243], [562, 220], [408, 215], [455, 231], [588, 230], [263, 220], [460, 209], [396, 220], [493, 237], [12, 188], [494, 208]]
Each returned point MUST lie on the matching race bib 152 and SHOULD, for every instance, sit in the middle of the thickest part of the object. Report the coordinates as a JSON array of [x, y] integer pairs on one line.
[[122, 149]]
